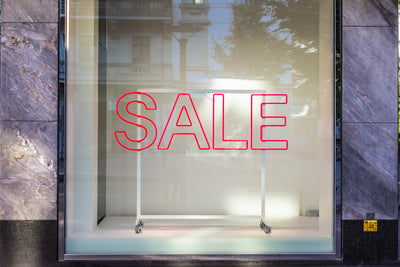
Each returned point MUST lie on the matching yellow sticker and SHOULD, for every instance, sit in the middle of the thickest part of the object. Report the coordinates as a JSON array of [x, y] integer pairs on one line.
[[370, 226]]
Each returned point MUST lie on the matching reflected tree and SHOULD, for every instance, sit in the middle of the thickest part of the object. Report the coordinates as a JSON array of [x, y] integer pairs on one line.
[[300, 21], [270, 38], [253, 49]]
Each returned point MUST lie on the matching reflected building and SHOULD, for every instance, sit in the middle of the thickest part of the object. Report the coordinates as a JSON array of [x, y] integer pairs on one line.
[[194, 25], [139, 46], [143, 40]]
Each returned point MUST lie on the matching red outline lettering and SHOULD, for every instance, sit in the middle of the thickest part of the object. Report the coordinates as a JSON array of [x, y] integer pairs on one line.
[[194, 134], [223, 128], [264, 125], [136, 124], [187, 115]]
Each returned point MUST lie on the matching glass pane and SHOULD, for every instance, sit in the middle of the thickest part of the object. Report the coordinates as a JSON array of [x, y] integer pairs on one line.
[[210, 122]]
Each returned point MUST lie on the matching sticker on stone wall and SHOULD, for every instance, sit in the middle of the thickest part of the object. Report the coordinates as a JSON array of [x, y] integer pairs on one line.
[[370, 225]]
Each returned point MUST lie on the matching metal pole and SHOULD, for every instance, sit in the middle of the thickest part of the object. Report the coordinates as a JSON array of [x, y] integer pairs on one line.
[[182, 63], [138, 170], [263, 178]]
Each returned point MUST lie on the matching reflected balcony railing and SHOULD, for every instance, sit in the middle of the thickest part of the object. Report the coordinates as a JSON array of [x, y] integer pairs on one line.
[[123, 71], [141, 8]]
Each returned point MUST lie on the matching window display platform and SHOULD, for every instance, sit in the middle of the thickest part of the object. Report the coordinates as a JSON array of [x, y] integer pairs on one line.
[[116, 235], [124, 226]]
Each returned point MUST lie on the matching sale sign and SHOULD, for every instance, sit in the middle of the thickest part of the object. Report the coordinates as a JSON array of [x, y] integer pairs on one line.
[[184, 120]]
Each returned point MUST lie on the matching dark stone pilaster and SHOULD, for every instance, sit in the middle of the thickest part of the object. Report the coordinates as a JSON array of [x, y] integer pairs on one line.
[[28, 110], [370, 125]]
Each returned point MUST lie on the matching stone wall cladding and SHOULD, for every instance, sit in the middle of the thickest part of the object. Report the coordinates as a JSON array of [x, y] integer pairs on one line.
[[29, 67], [28, 110], [28, 173], [369, 168], [29, 11], [369, 174]]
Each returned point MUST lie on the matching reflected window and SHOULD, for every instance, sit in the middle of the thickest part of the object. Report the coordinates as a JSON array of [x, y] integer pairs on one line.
[[141, 48]]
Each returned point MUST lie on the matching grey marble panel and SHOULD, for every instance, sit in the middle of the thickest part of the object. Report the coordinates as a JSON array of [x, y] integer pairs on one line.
[[29, 11], [369, 170], [370, 13], [29, 71], [369, 74], [28, 162]]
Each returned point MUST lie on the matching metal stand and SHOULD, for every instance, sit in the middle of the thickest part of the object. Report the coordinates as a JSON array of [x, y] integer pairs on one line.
[[139, 217]]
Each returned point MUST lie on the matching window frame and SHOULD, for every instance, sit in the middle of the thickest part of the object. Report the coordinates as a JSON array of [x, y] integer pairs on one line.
[[61, 185]]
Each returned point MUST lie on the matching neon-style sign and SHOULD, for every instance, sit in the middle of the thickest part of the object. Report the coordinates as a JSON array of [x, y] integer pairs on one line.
[[195, 124], [257, 140], [219, 100], [124, 114], [184, 120]]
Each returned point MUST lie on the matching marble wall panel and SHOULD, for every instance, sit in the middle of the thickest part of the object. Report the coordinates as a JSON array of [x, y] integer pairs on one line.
[[369, 170], [29, 65], [3, 103], [28, 177], [29, 11], [369, 74], [370, 13]]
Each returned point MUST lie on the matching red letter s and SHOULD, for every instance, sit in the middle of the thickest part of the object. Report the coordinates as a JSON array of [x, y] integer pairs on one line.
[[125, 115]]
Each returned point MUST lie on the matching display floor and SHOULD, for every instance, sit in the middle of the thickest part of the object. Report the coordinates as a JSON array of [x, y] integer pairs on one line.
[[116, 235], [124, 226]]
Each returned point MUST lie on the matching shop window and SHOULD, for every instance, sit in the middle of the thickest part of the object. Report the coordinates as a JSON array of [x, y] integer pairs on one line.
[[230, 154]]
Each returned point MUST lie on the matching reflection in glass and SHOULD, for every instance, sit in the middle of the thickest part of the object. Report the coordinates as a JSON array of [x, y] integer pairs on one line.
[[200, 118]]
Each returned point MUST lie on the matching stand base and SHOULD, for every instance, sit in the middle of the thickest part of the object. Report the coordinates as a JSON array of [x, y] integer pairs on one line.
[[139, 223], [264, 226]]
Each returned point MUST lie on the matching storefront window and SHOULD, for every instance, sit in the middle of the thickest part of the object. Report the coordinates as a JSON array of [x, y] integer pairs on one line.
[[200, 127]]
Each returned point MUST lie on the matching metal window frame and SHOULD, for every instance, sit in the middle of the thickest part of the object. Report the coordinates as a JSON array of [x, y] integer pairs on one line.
[[318, 257]]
